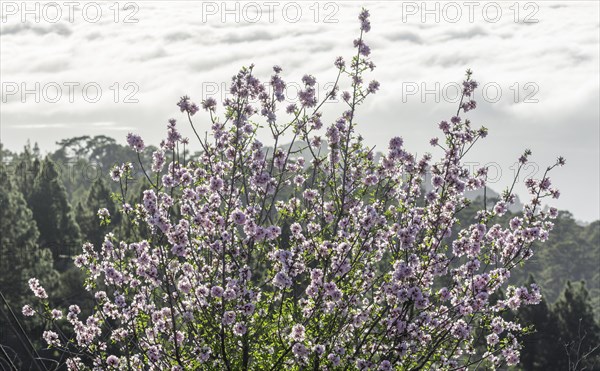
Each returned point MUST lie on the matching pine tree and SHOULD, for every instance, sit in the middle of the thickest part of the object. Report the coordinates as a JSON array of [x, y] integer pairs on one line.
[[19, 252], [26, 166], [542, 346], [579, 332], [98, 197], [52, 213], [20, 259]]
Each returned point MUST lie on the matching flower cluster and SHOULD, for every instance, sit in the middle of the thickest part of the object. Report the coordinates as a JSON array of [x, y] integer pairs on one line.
[[316, 254], [135, 142], [185, 105], [38, 291]]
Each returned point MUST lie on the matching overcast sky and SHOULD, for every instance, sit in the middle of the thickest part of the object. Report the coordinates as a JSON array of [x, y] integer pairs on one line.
[[538, 62]]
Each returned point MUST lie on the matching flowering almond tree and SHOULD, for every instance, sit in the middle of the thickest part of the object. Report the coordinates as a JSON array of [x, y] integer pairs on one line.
[[254, 258]]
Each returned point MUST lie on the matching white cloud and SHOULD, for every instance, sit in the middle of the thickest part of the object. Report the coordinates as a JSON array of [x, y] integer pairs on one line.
[[172, 51]]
